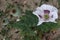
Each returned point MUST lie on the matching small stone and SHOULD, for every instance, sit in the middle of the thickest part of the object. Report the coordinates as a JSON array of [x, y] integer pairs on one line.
[[36, 4], [3, 21], [11, 16], [35, 32], [15, 2], [22, 5], [47, 0], [24, 2], [53, 32], [18, 20], [17, 32]]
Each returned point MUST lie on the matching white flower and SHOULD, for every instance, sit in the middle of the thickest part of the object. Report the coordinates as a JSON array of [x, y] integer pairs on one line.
[[46, 13]]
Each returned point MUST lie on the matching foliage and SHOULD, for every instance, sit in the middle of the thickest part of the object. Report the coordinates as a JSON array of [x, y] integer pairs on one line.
[[1, 13], [3, 32], [28, 24], [58, 2], [45, 27]]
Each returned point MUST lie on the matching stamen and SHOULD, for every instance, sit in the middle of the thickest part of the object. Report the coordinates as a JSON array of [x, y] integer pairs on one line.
[[46, 16]]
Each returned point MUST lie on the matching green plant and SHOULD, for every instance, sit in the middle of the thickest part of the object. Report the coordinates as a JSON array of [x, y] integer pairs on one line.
[[28, 25], [1, 13]]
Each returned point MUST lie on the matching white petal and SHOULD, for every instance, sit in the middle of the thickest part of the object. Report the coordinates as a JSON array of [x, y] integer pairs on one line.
[[55, 15], [40, 11], [36, 13], [40, 22], [46, 7]]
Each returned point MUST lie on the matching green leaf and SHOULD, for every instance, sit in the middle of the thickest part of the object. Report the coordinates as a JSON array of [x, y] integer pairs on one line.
[[45, 27]]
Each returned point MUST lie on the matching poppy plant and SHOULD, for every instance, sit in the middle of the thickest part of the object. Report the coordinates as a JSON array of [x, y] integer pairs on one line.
[[46, 13]]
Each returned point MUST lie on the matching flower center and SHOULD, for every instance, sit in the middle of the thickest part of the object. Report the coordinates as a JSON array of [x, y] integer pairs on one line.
[[46, 16]]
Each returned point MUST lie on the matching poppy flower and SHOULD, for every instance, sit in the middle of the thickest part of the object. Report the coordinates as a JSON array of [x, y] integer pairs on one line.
[[46, 13]]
